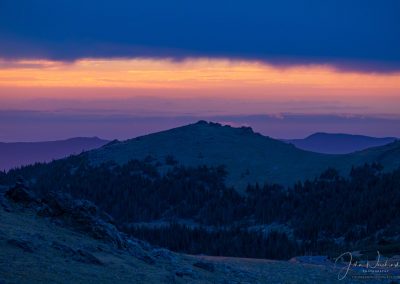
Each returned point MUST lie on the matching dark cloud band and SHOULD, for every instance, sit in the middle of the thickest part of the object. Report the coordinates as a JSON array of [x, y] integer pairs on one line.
[[354, 35]]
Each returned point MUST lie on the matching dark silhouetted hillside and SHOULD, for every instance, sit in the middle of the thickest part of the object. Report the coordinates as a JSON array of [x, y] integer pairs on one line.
[[249, 157]]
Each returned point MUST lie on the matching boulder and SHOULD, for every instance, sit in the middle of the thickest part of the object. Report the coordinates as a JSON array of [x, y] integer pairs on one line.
[[3, 204], [44, 211], [145, 258], [24, 245], [208, 266], [107, 232], [186, 272], [21, 194], [56, 204], [86, 257], [80, 255], [164, 254], [135, 249], [65, 250]]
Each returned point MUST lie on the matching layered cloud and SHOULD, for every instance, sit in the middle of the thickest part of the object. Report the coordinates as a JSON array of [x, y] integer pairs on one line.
[[351, 35]]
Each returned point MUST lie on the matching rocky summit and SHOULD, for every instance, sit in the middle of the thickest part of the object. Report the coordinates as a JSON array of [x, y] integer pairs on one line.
[[249, 157]]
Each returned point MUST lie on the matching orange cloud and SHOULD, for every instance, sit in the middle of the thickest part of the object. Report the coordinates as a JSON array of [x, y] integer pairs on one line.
[[254, 86], [195, 74]]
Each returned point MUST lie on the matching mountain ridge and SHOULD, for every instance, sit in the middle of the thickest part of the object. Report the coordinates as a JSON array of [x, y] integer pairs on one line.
[[16, 154], [249, 157], [338, 143]]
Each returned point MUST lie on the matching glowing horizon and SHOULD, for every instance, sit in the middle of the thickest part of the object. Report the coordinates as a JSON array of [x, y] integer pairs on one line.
[[188, 74], [165, 61], [262, 86]]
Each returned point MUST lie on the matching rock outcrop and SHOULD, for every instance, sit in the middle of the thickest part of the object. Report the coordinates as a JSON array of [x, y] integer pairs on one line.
[[82, 215], [21, 194]]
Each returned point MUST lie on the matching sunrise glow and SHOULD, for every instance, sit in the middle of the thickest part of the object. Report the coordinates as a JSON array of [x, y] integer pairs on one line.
[[228, 77]]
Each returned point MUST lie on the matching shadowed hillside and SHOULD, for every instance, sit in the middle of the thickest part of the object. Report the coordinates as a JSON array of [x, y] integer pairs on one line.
[[249, 157]]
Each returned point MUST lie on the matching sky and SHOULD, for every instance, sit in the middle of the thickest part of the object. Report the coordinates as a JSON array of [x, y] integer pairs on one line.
[[118, 69]]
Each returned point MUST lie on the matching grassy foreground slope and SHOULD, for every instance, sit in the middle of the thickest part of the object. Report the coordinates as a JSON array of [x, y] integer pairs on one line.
[[36, 249]]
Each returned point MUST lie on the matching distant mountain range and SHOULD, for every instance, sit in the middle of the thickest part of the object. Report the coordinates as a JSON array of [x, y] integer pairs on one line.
[[25, 153], [330, 143], [249, 157]]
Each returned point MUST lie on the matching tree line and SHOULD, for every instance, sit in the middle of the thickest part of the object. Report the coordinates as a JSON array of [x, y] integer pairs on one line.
[[360, 206]]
